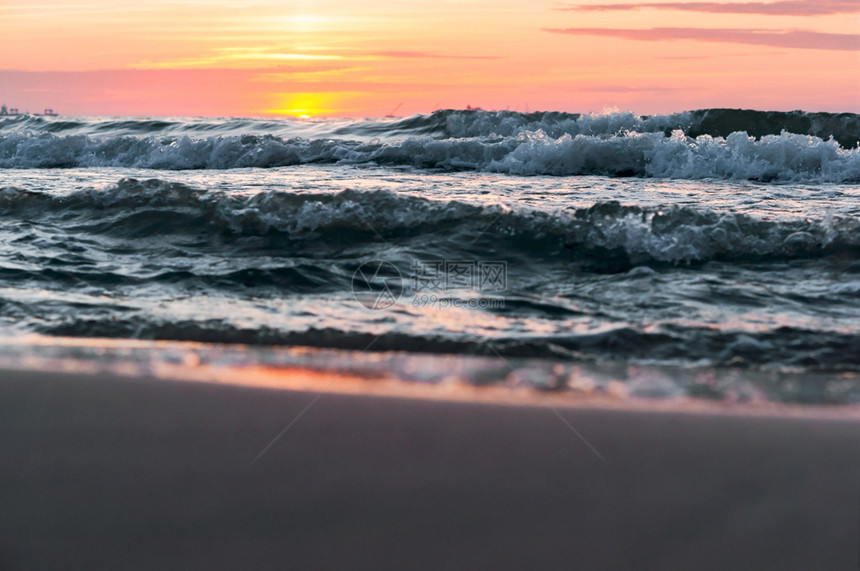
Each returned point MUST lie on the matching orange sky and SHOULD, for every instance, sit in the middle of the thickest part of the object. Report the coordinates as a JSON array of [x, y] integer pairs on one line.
[[371, 58]]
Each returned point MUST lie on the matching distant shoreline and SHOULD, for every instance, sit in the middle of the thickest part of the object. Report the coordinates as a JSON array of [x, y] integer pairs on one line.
[[14, 112]]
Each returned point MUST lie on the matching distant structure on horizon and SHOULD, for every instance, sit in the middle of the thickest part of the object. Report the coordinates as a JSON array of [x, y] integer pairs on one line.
[[9, 112]]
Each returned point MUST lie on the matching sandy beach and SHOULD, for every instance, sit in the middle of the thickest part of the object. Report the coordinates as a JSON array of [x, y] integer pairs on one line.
[[110, 472]]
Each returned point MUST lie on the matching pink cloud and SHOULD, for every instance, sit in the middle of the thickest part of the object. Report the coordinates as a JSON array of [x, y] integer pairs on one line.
[[783, 8], [799, 39], [426, 55], [622, 89]]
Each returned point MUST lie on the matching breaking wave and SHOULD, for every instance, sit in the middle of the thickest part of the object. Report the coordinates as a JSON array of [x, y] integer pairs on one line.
[[715, 143], [450, 123], [609, 234]]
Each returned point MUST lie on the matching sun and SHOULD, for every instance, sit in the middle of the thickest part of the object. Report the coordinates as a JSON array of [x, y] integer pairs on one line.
[[303, 105]]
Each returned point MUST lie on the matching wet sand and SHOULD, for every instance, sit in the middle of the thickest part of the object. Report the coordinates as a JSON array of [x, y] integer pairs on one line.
[[102, 472]]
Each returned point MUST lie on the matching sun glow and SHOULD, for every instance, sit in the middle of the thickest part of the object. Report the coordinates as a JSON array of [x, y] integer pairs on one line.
[[347, 58], [304, 105]]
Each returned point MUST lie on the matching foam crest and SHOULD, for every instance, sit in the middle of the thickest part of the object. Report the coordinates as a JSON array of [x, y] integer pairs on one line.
[[785, 157], [607, 233]]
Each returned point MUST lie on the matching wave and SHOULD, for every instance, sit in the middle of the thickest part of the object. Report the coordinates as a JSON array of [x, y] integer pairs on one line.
[[607, 236], [784, 348], [843, 127], [711, 143], [773, 158], [452, 123], [116, 126]]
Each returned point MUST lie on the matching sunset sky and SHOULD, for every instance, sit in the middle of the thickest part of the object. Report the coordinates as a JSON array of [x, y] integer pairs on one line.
[[372, 58]]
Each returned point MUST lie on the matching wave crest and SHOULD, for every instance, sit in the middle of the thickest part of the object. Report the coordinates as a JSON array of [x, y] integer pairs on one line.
[[780, 158], [608, 236], [454, 123]]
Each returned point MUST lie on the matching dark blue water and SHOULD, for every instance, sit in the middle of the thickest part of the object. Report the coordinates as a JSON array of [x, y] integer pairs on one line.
[[718, 239]]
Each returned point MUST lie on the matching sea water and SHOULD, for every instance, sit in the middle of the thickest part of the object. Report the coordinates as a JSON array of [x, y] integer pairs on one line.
[[722, 243]]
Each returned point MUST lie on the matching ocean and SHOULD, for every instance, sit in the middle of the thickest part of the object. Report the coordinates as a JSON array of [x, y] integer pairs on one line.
[[709, 255]]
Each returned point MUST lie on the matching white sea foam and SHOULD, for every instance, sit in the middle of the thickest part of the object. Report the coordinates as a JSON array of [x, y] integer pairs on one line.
[[676, 235], [785, 157]]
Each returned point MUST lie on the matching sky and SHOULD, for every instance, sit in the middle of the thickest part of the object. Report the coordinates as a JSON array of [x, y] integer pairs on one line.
[[369, 58]]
